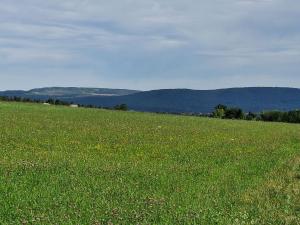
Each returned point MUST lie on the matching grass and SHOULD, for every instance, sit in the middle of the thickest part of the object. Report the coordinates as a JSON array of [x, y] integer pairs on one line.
[[82, 166]]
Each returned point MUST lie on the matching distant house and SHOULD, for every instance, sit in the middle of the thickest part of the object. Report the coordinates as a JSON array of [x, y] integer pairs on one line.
[[74, 106]]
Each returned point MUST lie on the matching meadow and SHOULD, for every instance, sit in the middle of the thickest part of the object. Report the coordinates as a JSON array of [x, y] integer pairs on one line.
[[61, 165]]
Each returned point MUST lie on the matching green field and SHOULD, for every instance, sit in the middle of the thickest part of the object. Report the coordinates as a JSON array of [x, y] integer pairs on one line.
[[61, 165]]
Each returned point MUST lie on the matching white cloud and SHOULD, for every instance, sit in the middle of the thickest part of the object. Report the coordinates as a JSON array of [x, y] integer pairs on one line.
[[214, 36], [13, 55]]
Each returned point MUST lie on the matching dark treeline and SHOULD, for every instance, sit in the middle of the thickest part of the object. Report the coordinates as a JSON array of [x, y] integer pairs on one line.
[[29, 100], [220, 111], [51, 101], [224, 112]]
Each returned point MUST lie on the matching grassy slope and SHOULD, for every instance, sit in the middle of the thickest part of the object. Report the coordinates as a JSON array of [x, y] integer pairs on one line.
[[83, 166]]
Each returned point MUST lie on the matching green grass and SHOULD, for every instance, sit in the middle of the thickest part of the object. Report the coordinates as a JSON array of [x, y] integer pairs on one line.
[[82, 166]]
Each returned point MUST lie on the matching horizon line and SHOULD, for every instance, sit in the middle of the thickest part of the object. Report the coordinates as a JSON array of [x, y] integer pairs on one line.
[[179, 88]]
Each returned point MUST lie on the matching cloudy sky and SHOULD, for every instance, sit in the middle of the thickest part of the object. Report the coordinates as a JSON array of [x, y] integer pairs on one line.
[[149, 44]]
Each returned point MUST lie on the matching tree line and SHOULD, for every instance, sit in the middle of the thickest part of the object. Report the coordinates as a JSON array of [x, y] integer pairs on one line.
[[51, 101], [225, 112], [220, 111]]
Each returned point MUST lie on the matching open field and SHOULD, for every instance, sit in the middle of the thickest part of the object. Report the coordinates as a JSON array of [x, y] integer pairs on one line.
[[83, 166]]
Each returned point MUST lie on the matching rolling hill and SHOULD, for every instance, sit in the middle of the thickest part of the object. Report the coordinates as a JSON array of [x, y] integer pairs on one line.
[[255, 99], [67, 92], [185, 100]]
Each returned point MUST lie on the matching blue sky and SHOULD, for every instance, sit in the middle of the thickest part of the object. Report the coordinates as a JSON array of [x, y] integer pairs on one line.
[[149, 44]]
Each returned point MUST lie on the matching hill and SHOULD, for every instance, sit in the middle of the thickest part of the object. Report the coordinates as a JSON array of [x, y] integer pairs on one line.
[[255, 99], [61, 165], [67, 92], [184, 100]]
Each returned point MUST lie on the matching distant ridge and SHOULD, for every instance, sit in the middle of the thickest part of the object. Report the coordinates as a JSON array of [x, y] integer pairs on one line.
[[254, 99], [68, 92]]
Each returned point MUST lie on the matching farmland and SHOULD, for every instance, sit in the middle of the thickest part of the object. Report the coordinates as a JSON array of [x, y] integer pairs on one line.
[[61, 165]]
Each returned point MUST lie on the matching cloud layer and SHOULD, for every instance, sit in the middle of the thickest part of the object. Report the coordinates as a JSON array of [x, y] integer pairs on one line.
[[147, 44]]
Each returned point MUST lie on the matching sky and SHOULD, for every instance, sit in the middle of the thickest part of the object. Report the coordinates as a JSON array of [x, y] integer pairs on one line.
[[149, 44]]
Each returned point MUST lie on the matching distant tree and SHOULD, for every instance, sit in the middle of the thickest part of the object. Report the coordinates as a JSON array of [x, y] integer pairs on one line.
[[251, 116], [4, 98], [224, 112], [273, 116], [50, 101], [292, 117], [234, 113], [58, 102], [122, 107], [221, 106], [220, 111], [17, 99]]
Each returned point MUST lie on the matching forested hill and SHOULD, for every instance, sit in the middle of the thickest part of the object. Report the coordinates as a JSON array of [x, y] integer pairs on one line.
[[185, 100], [254, 99], [67, 92]]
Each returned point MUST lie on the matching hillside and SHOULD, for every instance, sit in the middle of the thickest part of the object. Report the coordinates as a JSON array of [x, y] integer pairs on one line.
[[67, 92], [61, 165], [173, 100], [184, 100]]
